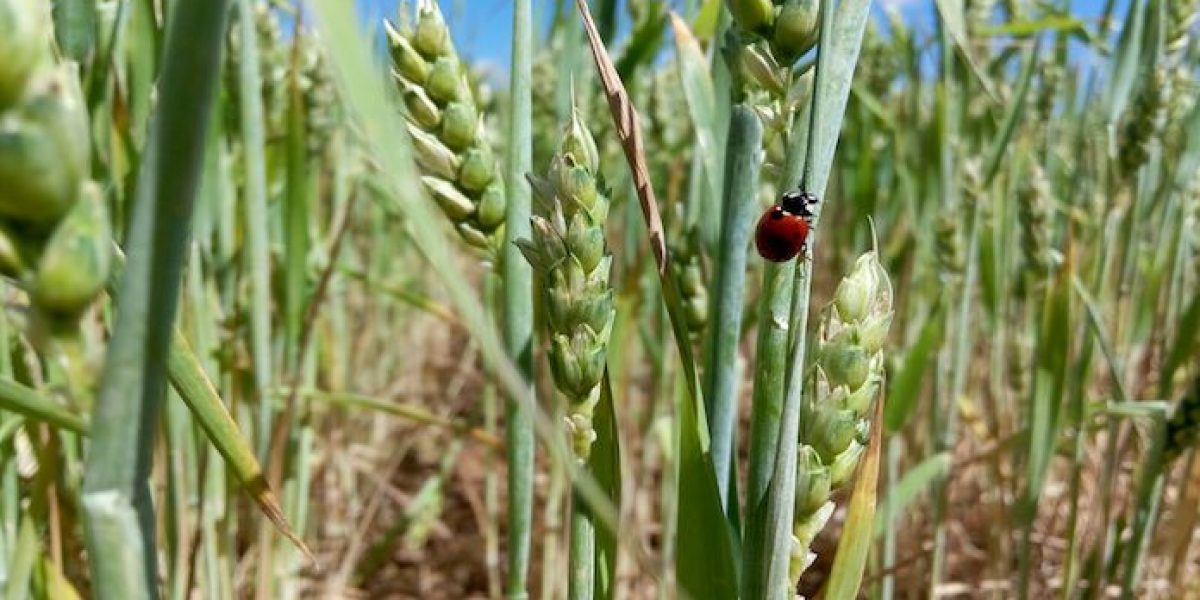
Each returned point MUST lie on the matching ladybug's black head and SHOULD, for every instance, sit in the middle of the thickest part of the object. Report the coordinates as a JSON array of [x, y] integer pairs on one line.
[[797, 202]]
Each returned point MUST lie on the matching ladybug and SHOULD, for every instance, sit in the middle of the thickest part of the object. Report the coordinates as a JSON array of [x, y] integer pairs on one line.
[[783, 230]]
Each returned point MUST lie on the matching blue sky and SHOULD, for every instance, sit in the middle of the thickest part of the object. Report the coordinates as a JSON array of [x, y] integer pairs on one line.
[[482, 32]]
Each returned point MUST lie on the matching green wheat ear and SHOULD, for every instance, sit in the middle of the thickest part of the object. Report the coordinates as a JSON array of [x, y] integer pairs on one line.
[[762, 50], [1145, 123], [849, 370], [443, 118], [688, 269], [1034, 199], [569, 253], [54, 222], [24, 29], [320, 99], [55, 230]]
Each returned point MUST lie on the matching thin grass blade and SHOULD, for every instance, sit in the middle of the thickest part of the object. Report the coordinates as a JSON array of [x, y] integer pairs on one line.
[[914, 483], [698, 91], [197, 391], [605, 466], [26, 401], [907, 383], [1126, 62]]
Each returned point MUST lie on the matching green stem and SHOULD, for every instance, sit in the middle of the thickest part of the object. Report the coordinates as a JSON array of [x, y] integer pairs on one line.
[[779, 284], [119, 515], [491, 484], [583, 552], [947, 432], [945, 405], [1145, 511], [295, 217], [181, 487], [258, 257], [767, 413], [841, 40], [552, 538], [887, 588], [518, 304], [743, 156], [1107, 543], [1079, 415]]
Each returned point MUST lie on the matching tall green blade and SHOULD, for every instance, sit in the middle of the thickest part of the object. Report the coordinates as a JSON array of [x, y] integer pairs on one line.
[[119, 516], [704, 560], [700, 95], [75, 27], [743, 156]]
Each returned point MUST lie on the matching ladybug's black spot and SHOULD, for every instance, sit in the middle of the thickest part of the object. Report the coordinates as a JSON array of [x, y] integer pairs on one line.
[[777, 213]]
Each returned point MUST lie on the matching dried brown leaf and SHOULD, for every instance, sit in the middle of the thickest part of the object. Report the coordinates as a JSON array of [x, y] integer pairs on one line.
[[630, 133]]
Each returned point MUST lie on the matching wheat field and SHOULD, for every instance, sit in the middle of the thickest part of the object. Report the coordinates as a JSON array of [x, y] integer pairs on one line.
[[707, 299]]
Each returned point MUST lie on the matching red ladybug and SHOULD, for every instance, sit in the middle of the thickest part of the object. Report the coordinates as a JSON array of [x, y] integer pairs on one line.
[[783, 229]]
